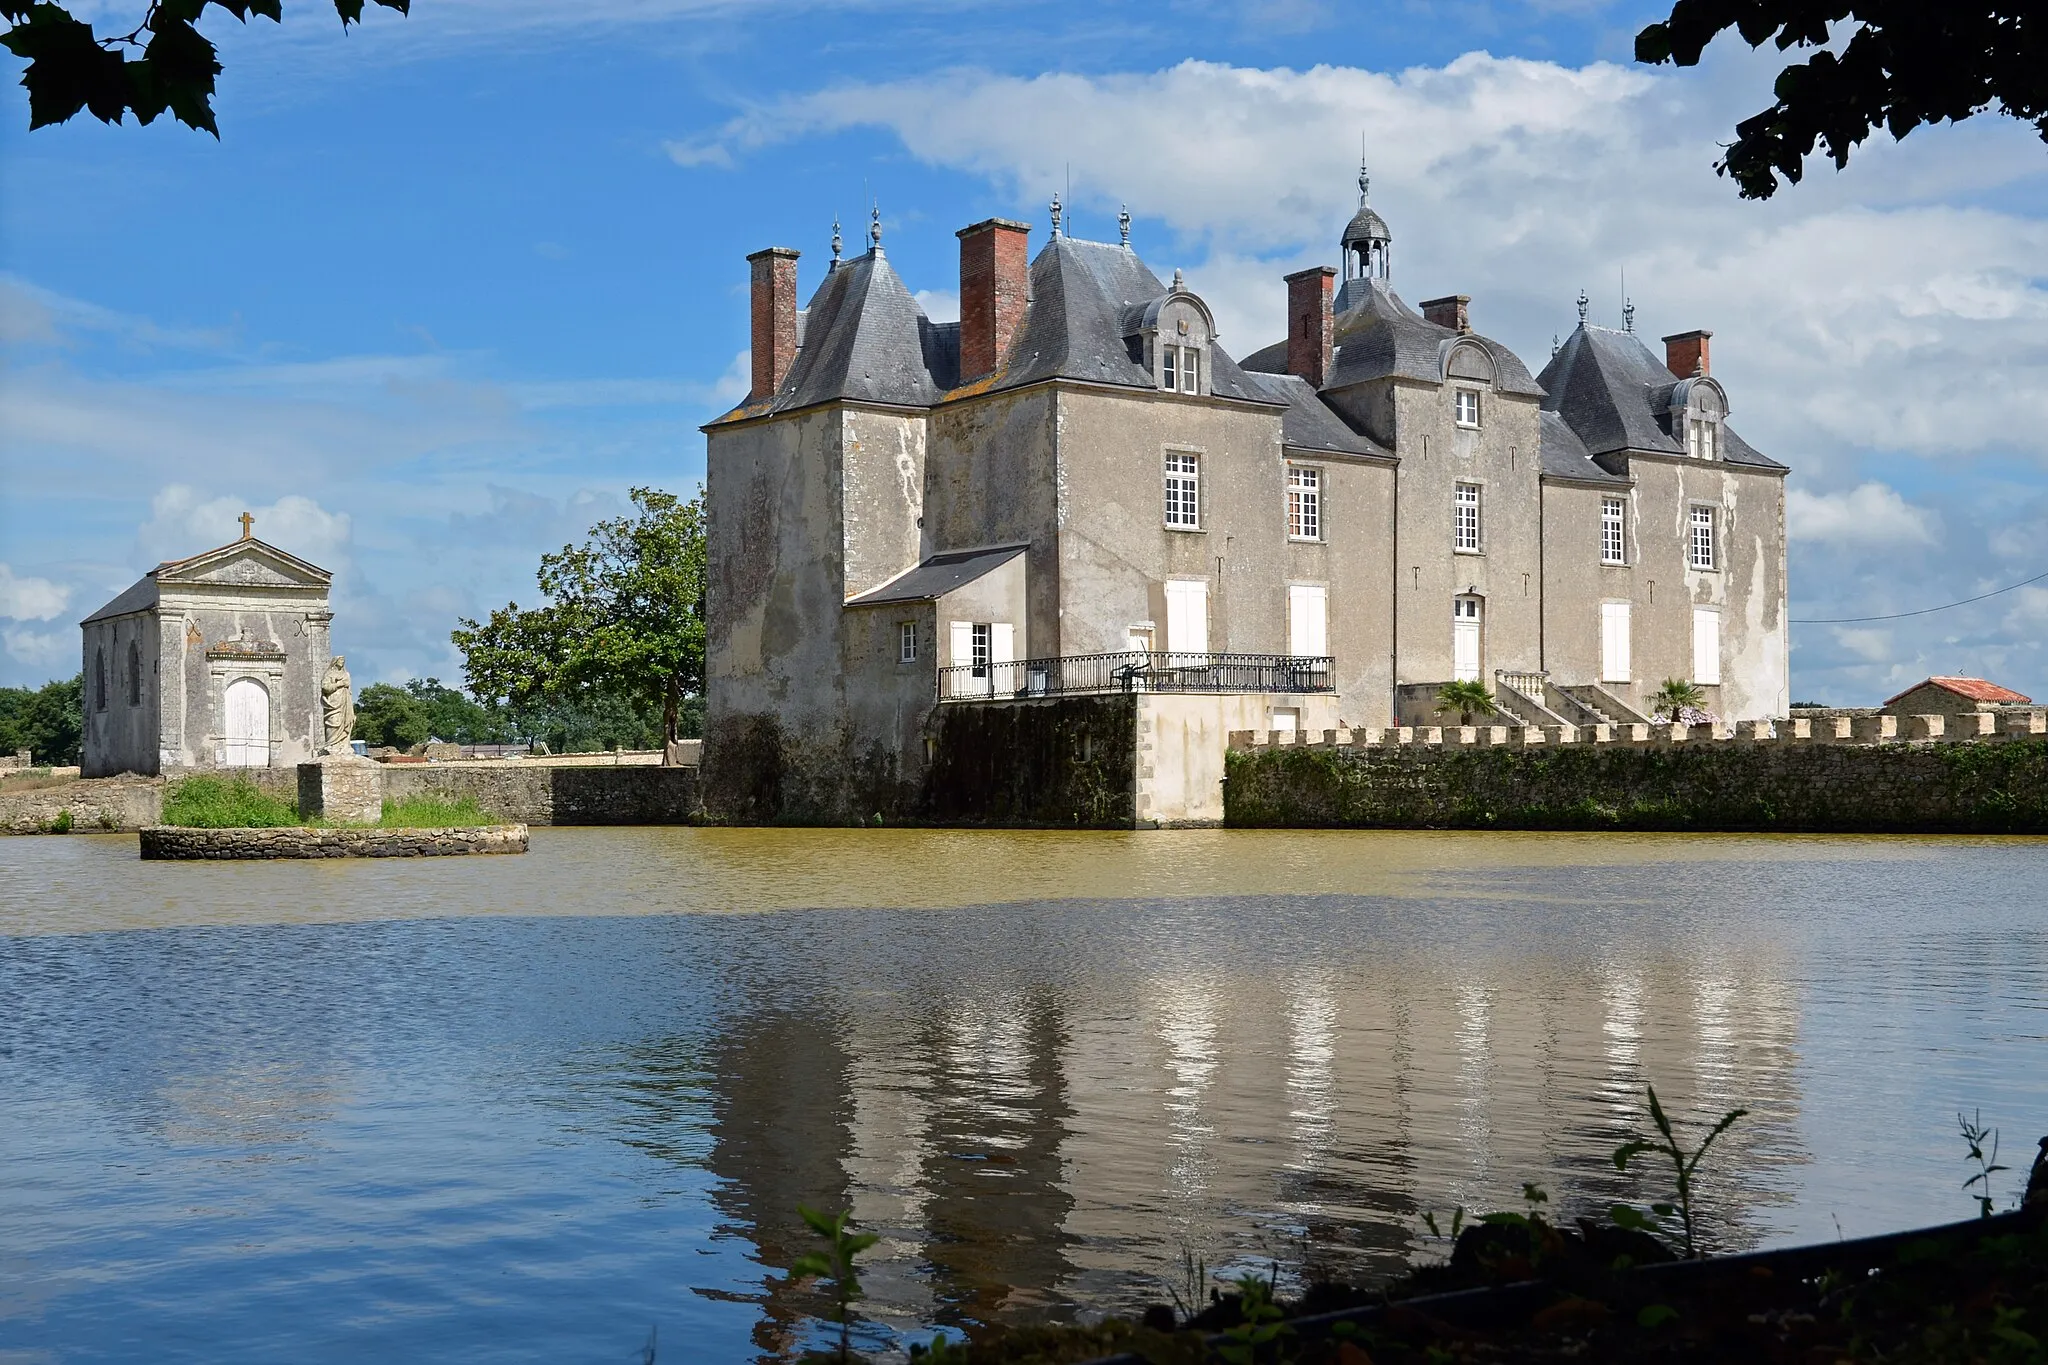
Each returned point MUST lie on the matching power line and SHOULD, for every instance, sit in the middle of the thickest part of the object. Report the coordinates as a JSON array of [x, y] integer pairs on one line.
[[1924, 611]]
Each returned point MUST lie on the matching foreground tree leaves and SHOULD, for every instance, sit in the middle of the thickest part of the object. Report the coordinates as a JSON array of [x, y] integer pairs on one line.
[[1906, 63], [70, 67]]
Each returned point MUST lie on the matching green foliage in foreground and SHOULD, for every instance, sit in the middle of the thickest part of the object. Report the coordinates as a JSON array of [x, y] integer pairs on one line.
[[206, 802], [433, 812]]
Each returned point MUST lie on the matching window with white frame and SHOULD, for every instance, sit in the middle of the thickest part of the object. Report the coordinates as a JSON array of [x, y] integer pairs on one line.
[[1169, 368], [1468, 407], [979, 646], [1190, 370], [1304, 503], [1465, 518], [1701, 546], [1701, 439], [1613, 535], [906, 642], [1183, 490]]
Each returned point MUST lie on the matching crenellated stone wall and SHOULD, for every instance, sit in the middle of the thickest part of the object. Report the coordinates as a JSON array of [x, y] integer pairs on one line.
[[1847, 774]]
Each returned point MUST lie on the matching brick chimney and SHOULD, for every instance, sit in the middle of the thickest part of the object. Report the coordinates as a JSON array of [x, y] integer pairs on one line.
[[995, 289], [1685, 355], [1452, 311], [774, 316], [1309, 323]]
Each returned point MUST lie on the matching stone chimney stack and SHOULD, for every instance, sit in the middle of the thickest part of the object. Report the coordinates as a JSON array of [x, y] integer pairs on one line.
[[1685, 355], [1309, 323], [774, 318], [1452, 311], [995, 289]]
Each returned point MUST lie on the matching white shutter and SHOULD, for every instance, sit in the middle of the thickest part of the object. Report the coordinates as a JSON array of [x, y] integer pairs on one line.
[[1187, 617], [963, 644], [1614, 623], [1002, 648], [1706, 646], [1308, 628]]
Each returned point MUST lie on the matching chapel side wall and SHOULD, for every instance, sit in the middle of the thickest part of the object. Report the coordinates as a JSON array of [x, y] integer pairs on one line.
[[775, 595], [991, 478], [1504, 458], [1747, 586], [1576, 583], [122, 737]]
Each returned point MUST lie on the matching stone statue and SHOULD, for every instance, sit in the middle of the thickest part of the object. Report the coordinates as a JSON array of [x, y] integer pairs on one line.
[[337, 707]]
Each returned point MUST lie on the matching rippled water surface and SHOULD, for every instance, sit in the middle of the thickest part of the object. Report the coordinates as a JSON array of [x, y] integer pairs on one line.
[[529, 1109]]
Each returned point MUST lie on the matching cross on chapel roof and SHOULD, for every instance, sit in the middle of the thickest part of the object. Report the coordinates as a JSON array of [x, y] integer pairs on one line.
[[247, 522]]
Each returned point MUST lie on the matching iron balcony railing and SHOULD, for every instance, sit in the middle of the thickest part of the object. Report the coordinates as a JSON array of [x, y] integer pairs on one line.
[[1136, 671]]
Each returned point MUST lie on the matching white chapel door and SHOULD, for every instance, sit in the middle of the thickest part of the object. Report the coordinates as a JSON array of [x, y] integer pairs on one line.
[[1465, 628], [248, 724]]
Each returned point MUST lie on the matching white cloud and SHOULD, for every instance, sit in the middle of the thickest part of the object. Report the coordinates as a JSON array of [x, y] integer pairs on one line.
[[30, 599], [1869, 516], [2028, 617], [940, 305], [183, 523], [56, 649], [1870, 645]]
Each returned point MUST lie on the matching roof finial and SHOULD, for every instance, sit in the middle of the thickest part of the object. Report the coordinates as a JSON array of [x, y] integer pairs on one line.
[[875, 226], [1364, 176], [1584, 303], [1123, 222], [1179, 284], [247, 522], [1055, 213], [835, 243], [1554, 343], [1628, 315]]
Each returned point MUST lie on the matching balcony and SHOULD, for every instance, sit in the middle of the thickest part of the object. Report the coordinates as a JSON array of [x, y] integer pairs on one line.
[[1136, 671]]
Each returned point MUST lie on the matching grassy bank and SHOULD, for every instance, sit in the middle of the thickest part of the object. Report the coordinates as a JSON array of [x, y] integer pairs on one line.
[[208, 802]]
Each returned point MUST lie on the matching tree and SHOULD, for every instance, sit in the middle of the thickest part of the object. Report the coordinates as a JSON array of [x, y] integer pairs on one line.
[[1467, 698], [48, 721], [624, 617], [1676, 695], [70, 67], [1907, 62]]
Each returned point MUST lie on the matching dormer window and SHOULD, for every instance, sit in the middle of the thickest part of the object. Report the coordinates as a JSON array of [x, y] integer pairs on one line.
[[1468, 407], [1180, 369], [1700, 438]]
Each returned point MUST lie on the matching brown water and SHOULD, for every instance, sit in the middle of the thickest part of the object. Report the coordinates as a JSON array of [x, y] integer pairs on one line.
[[523, 1108]]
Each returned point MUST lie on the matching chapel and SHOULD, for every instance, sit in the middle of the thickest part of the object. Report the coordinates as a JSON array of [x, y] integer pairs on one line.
[[211, 661]]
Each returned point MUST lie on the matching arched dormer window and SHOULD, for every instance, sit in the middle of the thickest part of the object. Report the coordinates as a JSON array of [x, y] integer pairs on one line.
[[1699, 408], [1468, 373], [1173, 334]]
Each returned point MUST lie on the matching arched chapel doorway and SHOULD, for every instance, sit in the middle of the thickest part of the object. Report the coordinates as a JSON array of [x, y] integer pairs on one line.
[[248, 725]]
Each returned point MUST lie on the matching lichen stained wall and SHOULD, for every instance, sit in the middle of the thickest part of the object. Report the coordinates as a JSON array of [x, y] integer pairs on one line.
[[991, 478], [120, 736]]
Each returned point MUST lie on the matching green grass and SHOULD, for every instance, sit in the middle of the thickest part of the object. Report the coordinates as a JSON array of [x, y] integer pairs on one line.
[[433, 812], [225, 803]]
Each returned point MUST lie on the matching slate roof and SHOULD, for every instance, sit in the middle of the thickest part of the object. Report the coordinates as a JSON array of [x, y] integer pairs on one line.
[[937, 576], [1614, 392], [1308, 423], [1565, 457], [1972, 689], [864, 338], [1376, 335], [140, 595]]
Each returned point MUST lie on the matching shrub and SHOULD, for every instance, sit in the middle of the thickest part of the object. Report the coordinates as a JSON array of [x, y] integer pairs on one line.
[[433, 812], [207, 802]]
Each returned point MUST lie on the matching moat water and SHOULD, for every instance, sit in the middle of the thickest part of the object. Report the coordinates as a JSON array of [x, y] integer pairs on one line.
[[532, 1109]]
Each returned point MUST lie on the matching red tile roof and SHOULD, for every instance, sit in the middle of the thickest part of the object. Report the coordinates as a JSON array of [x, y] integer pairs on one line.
[[1974, 689]]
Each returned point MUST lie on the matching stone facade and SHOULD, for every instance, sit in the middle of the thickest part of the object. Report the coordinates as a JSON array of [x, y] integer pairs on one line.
[[213, 661], [1077, 468], [1855, 776], [170, 843]]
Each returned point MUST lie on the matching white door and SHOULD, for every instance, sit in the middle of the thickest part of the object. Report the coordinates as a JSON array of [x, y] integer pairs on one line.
[[1187, 616], [1465, 628], [964, 680], [248, 725], [1706, 646], [1614, 666], [1308, 624]]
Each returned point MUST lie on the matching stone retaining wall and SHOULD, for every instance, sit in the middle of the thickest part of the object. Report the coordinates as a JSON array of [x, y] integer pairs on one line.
[[1068, 761], [1758, 777], [541, 794], [111, 803], [171, 842]]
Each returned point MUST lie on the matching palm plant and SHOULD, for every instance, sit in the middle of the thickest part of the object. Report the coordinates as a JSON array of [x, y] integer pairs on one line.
[[1467, 698], [1676, 695]]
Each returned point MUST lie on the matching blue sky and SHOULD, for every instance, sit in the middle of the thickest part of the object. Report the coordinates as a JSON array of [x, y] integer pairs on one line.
[[450, 284]]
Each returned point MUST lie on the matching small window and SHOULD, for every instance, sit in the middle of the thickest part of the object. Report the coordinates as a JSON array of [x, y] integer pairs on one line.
[[1465, 519], [1700, 439], [979, 645], [1190, 370], [1304, 504], [1702, 545], [1169, 368], [906, 642], [134, 674], [1468, 407], [1183, 491], [99, 680], [1613, 537]]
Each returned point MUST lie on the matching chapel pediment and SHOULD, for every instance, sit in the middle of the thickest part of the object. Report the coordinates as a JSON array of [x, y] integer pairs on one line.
[[245, 564]]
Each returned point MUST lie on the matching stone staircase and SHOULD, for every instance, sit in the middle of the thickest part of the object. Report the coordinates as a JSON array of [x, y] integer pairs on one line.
[[1598, 705]]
